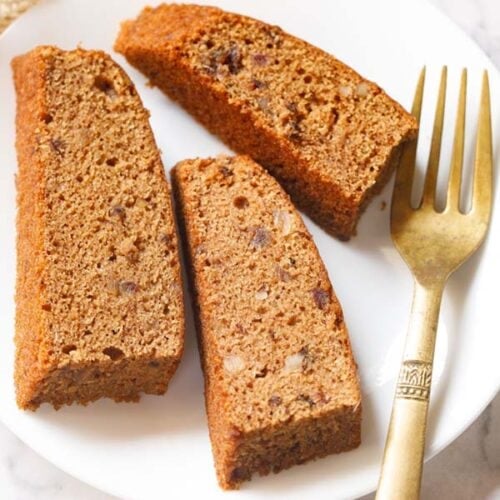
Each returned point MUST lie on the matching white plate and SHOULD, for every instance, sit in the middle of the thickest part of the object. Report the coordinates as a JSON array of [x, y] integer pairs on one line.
[[160, 447]]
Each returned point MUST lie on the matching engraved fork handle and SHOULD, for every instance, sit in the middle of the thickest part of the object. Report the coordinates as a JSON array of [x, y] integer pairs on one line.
[[401, 472]]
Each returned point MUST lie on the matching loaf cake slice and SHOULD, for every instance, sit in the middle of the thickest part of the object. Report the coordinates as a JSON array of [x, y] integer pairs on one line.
[[329, 136], [281, 384], [99, 298]]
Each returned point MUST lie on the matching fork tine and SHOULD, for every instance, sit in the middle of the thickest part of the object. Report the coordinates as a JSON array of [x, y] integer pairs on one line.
[[435, 152], [483, 162], [457, 159], [406, 168]]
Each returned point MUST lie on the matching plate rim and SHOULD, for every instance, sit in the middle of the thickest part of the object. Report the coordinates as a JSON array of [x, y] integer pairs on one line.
[[21, 433]]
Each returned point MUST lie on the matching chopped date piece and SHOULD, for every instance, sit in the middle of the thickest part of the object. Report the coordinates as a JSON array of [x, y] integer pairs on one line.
[[260, 59], [118, 211], [306, 399], [239, 474], [283, 275], [233, 60], [261, 238], [128, 287], [225, 171], [58, 146], [321, 297], [258, 84], [274, 401]]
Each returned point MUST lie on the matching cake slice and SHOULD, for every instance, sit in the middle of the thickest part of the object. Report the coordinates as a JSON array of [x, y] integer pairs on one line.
[[99, 298], [329, 136], [281, 385]]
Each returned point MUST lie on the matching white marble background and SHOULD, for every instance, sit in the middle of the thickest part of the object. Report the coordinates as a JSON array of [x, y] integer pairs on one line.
[[469, 469]]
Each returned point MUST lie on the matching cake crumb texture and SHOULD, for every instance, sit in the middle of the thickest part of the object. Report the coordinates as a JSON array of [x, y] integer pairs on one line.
[[281, 384], [328, 135], [99, 299]]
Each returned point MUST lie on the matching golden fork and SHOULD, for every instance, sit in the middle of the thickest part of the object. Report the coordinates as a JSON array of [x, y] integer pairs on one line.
[[433, 243]]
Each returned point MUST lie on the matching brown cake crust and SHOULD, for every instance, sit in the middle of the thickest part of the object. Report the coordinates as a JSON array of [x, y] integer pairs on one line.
[[329, 136], [99, 310], [281, 384]]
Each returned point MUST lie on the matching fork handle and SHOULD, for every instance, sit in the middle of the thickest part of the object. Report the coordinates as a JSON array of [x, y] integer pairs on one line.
[[401, 472]]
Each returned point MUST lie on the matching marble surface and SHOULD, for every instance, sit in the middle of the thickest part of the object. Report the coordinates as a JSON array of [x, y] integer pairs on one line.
[[468, 469]]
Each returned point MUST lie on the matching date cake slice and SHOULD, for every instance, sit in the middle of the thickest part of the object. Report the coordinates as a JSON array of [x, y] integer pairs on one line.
[[328, 135], [281, 384], [99, 297]]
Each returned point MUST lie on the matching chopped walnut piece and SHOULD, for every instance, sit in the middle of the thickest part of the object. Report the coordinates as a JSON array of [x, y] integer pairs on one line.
[[261, 293], [293, 363], [345, 90], [362, 89], [233, 364], [283, 221], [127, 247]]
